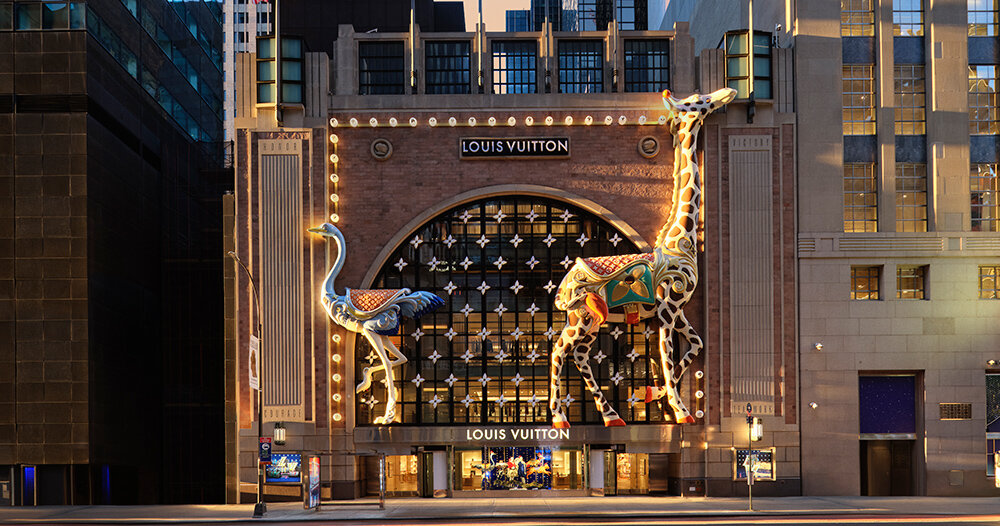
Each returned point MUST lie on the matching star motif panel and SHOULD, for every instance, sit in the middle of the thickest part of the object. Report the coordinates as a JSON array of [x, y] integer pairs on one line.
[[483, 358]]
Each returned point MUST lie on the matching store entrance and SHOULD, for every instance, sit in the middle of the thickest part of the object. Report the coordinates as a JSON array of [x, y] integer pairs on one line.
[[518, 468], [626, 473], [402, 473]]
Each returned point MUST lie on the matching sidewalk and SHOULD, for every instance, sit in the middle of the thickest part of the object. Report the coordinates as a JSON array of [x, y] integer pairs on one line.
[[512, 508]]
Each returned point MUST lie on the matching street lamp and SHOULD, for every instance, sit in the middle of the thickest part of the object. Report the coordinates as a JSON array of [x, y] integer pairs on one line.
[[260, 508]]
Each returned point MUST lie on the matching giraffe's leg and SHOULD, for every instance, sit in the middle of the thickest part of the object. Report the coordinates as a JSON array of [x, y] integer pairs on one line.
[[559, 350], [685, 329], [378, 342], [668, 318], [581, 356]]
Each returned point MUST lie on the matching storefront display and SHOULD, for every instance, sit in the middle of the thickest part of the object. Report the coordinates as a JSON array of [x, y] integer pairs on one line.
[[518, 468]]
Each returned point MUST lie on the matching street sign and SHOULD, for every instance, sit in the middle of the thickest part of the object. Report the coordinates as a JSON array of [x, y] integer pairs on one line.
[[264, 453]]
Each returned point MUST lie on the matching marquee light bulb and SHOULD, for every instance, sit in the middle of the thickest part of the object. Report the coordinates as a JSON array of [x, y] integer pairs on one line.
[[511, 121], [608, 120], [337, 357], [413, 122], [529, 120], [354, 122], [700, 414], [393, 122], [337, 378], [334, 218], [337, 417], [642, 119], [334, 178], [699, 374], [334, 158], [334, 139], [472, 121], [588, 120], [334, 198], [334, 123], [699, 394], [662, 119], [432, 121], [452, 121], [492, 121], [373, 121], [622, 120], [548, 121], [336, 338], [569, 120], [337, 397]]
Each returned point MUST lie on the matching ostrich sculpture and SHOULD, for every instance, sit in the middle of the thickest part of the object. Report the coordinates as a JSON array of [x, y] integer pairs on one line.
[[374, 314]]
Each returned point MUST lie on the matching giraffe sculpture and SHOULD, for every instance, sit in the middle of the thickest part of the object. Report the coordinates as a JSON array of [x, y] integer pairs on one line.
[[375, 315], [634, 287]]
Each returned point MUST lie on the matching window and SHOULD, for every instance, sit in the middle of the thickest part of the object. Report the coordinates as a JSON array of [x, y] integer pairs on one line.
[[380, 68], [865, 283], [647, 65], [983, 112], [628, 19], [988, 287], [911, 197], [887, 405], [6, 16], [860, 198], [907, 18], [291, 71], [992, 420], [857, 18], [516, 310], [28, 15], [983, 18], [859, 100], [514, 66], [587, 16], [984, 203], [448, 67], [581, 66], [911, 283], [909, 98], [738, 66]]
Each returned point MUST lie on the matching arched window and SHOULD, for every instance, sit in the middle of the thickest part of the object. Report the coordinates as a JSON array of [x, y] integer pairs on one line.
[[483, 358]]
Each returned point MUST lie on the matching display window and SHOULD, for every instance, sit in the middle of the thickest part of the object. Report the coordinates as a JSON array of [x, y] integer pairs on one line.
[[518, 468]]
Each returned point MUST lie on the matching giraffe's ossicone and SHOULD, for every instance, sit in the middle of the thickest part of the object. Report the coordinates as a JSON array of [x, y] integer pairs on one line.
[[634, 287]]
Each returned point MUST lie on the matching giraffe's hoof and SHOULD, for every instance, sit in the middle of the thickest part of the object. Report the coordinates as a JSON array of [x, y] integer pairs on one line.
[[649, 395], [560, 424], [615, 423], [685, 419]]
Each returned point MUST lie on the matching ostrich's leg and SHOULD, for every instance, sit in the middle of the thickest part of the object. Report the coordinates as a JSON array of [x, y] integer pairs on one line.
[[377, 342]]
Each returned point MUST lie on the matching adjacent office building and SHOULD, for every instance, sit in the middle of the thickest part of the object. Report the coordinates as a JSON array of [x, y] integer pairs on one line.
[[111, 174]]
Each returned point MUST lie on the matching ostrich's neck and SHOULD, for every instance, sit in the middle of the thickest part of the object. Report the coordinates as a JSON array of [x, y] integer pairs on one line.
[[338, 264], [682, 221]]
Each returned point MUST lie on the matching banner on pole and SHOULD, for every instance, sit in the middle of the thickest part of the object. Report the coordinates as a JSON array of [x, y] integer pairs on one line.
[[254, 363]]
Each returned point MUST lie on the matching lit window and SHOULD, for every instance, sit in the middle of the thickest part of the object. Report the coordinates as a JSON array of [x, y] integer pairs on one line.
[[988, 287], [514, 66], [581, 66], [857, 18], [911, 197], [909, 93], [738, 66], [911, 283], [860, 198], [983, 18], [380, 68], [985, 209], [907, 18], [983, 112], [865, 283], [859, 100]]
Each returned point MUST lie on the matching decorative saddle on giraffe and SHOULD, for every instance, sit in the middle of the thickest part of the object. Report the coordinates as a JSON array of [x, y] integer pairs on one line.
[[627, 279]]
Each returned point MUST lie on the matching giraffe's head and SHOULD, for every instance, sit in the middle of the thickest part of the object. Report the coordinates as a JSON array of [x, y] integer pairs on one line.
[[690, 112]]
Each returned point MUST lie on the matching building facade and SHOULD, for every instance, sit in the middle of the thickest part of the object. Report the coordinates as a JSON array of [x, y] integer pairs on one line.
[[382, 159], [897, 275], [111, 174]]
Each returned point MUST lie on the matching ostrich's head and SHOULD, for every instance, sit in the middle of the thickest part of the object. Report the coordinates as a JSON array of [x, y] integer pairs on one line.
[[325, 230], [696, 107]]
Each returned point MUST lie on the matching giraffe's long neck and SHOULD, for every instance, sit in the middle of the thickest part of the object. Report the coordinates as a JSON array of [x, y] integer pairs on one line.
[[682, 221]]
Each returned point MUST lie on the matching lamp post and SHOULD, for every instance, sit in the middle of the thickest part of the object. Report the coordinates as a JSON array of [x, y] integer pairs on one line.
[[755, 430], [260, 508]]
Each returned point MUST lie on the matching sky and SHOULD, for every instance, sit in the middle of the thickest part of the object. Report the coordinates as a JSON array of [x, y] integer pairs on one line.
[[493, 13]]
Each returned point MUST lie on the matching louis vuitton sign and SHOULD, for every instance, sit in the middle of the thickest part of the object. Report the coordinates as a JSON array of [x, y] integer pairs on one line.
[[513, 147]]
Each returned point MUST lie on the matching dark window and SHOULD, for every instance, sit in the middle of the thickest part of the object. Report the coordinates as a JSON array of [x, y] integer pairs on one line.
[[291, 71], [887, 404], [453, 255], [380, 68], [647, 65], [738, 64], [448, 66], [28, 15], [514, 66], [581, 66], [6, 16]]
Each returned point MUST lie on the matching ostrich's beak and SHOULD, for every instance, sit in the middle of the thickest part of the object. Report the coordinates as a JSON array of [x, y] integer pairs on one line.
[[317, 230]]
